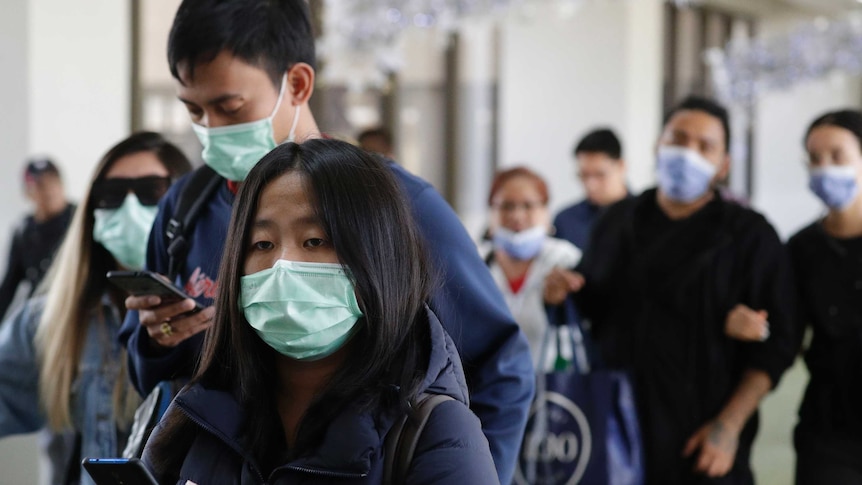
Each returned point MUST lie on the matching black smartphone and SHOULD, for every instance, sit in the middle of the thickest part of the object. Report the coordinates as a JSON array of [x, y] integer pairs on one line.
[[118, 471], [144, 282]]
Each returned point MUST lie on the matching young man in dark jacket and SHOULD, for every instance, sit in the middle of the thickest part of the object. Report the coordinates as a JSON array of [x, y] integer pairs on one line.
[[245, 71], [40, 233], [602, 172], [679, 270]]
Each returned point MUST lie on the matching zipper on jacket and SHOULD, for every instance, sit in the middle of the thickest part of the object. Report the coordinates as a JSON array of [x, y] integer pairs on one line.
[[206, 427], [321, 473]]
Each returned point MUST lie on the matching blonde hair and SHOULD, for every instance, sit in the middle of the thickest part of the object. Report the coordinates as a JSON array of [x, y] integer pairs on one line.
[[73, 290], [62, 330]]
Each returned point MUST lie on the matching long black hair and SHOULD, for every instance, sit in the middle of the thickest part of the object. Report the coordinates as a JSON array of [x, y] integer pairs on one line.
[[365, 216]]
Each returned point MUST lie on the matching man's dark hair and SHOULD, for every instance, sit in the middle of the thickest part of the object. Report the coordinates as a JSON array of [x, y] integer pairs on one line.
[[362, 210], [600, 141], [270, 34], [380, 133], [708, 106]]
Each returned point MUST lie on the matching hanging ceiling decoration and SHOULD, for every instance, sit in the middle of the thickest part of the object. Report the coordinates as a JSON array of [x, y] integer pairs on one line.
[[746, 69], [360, 42]]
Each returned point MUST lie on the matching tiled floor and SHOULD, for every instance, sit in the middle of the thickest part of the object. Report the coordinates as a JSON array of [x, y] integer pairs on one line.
[[773, 456]]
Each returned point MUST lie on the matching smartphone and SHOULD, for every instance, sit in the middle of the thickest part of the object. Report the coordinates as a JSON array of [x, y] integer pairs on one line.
[[139, 283], [118, 471]]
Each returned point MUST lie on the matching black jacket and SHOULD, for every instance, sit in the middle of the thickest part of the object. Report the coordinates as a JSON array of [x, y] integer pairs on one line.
[[451, 450], [658, 293], [829, 282]]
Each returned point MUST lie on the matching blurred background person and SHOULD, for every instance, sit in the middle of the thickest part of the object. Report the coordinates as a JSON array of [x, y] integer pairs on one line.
[[60, 362], [37, 237], [602, 172], [669, 271], [522, 253], [377, 140], [827, 258]]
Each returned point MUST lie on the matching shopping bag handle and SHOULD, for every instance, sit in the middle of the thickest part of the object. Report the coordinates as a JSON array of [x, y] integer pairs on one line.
[[564, 318]]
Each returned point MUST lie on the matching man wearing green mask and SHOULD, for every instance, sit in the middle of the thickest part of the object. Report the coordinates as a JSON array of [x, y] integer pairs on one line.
[[245, 72]]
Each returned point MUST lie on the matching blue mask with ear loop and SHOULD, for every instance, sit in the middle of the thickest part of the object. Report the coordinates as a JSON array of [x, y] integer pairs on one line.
[[232, 151], [683, 174], [836, 186], [523, 245]]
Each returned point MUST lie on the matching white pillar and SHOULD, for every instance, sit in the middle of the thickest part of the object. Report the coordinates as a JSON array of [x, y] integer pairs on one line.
[[563, 74], [65, 85]]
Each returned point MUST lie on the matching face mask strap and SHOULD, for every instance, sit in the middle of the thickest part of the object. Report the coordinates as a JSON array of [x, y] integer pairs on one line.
[[292, 135]]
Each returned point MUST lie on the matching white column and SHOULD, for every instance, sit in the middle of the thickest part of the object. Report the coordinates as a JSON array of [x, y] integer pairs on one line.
[[65, 85], [475, 126], [79, 65], [564, 73]]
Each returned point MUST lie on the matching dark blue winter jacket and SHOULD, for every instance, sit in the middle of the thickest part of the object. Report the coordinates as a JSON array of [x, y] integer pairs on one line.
[[495, 353], [451, 449]]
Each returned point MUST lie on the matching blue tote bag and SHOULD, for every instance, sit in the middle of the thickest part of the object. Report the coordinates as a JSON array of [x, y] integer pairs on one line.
[[583, 425]]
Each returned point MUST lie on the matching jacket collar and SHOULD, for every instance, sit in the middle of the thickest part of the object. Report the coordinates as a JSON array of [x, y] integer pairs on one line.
[[351, 440]]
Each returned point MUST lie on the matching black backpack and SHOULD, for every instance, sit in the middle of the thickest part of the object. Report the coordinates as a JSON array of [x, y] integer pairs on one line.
[[202, 184]]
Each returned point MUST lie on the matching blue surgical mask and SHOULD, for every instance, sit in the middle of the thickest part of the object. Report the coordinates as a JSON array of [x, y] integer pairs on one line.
[[683, 174], [305, 311], [836, 186], [124, 231], [232, 151], [522, 245]]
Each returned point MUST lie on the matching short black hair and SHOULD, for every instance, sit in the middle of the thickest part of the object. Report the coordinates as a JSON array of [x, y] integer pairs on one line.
[[849, 119], [706, 105], [270, 34], [379, 132], [602, 140]]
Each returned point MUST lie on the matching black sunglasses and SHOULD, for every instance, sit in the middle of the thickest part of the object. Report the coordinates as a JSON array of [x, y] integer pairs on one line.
[[110, 193]]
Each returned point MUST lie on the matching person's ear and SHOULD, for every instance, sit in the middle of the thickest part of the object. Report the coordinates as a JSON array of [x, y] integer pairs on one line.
[[300, 83]]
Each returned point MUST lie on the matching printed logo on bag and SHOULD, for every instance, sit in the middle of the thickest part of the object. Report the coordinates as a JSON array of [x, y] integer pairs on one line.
[[557, 444]]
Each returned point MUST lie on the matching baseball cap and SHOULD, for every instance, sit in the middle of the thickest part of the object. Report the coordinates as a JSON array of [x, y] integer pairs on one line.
[[39, 166]]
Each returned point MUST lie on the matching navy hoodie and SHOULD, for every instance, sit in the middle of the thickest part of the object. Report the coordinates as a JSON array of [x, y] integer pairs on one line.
[[451, 449], [495, 353]]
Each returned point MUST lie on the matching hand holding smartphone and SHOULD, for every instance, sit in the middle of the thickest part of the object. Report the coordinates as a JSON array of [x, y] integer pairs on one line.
[[142, 283]]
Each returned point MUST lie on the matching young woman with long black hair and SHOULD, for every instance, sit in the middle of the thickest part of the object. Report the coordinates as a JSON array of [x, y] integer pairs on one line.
[[321, 338]]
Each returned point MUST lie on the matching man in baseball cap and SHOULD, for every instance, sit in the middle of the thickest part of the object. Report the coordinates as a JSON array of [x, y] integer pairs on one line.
[[37, 237]]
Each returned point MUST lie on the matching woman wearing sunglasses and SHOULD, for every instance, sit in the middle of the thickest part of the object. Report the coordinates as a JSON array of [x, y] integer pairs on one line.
[[60, 362]]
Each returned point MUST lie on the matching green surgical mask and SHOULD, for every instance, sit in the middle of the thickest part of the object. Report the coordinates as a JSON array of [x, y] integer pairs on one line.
[[124, 231], [232, 151], [305, 311]]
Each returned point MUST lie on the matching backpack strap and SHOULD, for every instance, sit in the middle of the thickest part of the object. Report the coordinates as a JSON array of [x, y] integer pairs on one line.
[[400, 443], [202, 184]]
